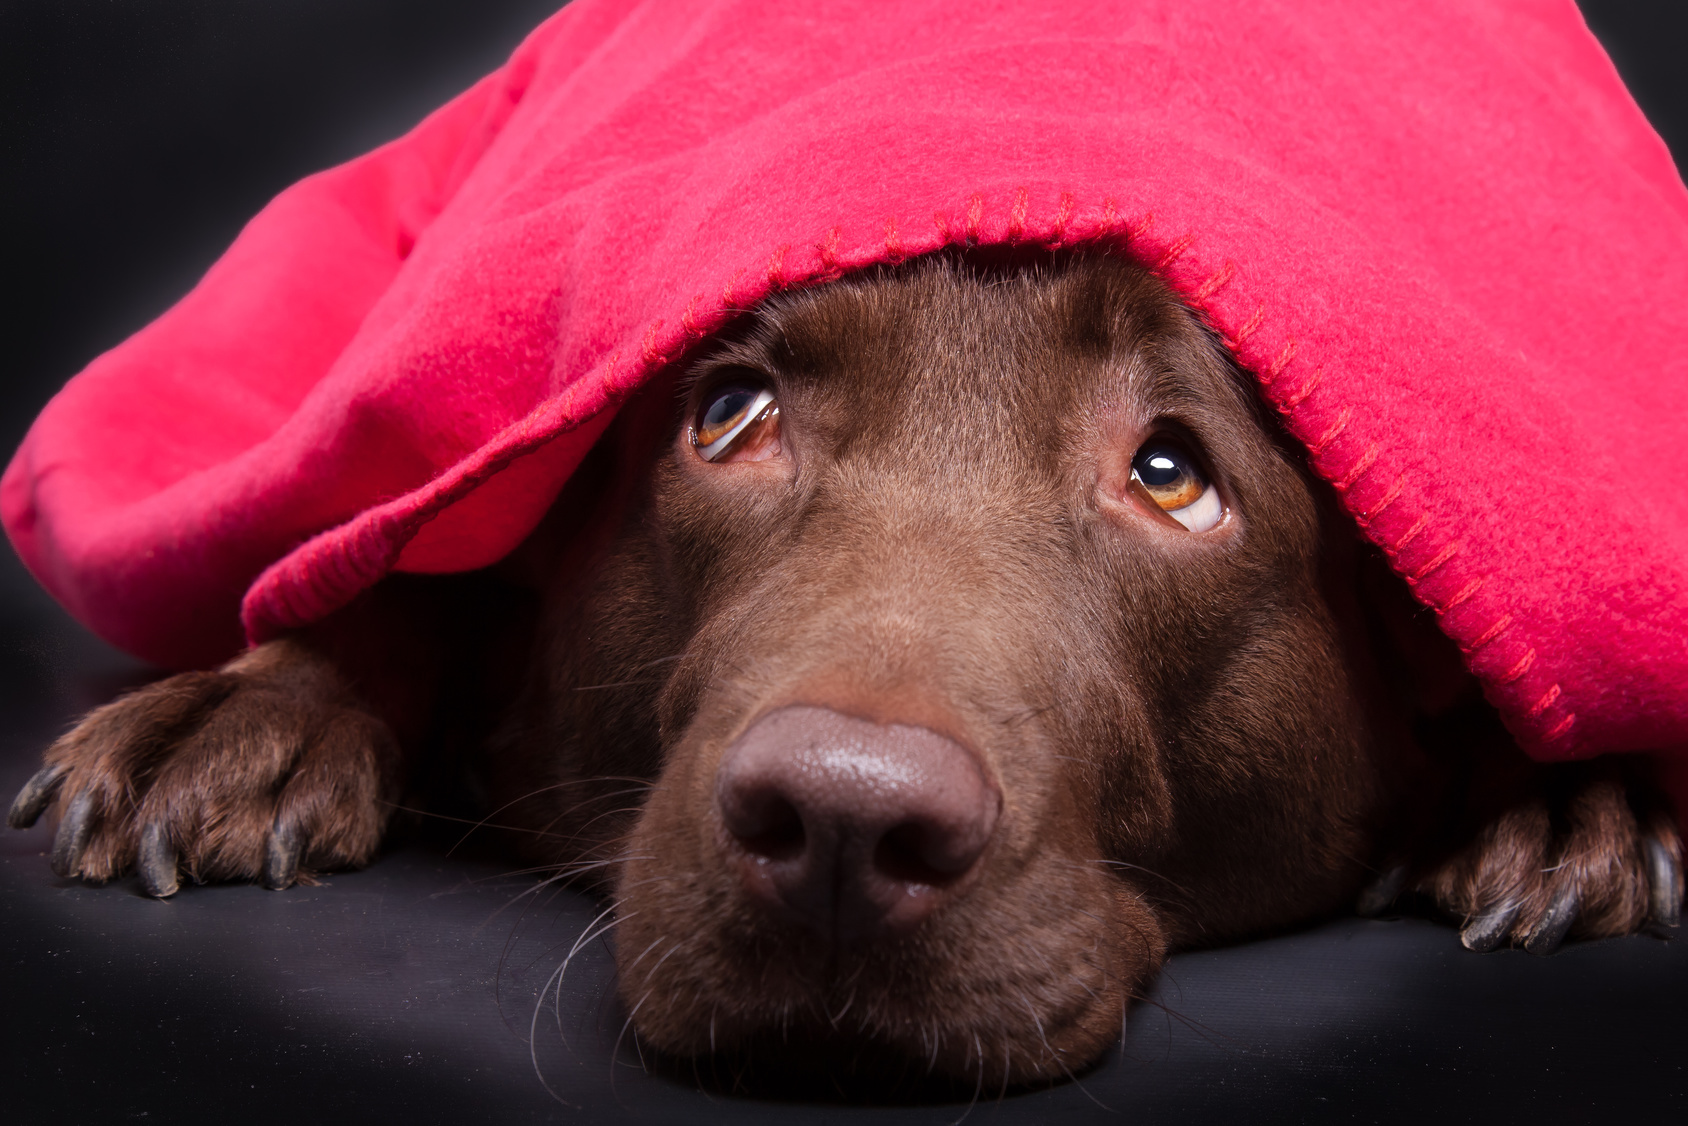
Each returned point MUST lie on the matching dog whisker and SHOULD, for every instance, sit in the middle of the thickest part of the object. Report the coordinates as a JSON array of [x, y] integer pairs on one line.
[[590, 932], [487, 821], [672, 950], [979, 1086], [581, 832], [1055, 1055], [1021, 717], [655, 942], [554, 872], [557, 976], [848, 1001], [567, 873], [614, 684], [615, 1052], [1129, 867], [1206, 1032]]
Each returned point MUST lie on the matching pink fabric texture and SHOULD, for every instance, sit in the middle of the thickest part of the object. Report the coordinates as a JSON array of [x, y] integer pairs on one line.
[[1440, 233]]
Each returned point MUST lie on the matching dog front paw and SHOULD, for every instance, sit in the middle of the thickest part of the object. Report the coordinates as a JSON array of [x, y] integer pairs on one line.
[[265, 769], [1581, 853]]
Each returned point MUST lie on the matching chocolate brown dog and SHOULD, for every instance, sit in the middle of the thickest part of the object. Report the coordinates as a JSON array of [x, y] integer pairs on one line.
[[966, 639]]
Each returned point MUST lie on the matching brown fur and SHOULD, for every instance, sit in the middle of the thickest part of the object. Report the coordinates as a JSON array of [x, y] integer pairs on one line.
[[1196, 737]]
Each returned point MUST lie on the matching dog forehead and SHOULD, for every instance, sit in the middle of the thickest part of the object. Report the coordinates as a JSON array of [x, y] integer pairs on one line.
[[995, 352]]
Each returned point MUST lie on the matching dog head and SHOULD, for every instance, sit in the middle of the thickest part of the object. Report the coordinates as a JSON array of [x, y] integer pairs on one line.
[[983, 638]]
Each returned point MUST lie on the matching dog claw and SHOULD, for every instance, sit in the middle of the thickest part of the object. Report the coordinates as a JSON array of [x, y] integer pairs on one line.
[[1664, 878], [72, 838], [156, 863], [281, 861], [1555, 923], [1486, 932], [36, 795], [1378, 898]]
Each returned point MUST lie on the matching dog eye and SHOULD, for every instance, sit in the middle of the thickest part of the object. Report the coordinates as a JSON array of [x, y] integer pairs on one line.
[[1173, 480], [737, 418]]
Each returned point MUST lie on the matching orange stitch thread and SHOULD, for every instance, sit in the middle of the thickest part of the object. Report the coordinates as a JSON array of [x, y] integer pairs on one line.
[[893, 242], [1441, 557], [1108, 216], [732, 284], [1560, 728], [1337, 427], [1248, 329], [1212, 285], [1017, 214], [1522, 667], [1175, 251], [1388, 499], [776, 267], [829, 252], [1137, 231], [1411, 534], [1359, 468], [1065, 213], [1465, 592], [975, 212], [1307, 389], [688, 319], [652, 356], [1277, 366], [942, 222], [1488, 635], [1545, 702]]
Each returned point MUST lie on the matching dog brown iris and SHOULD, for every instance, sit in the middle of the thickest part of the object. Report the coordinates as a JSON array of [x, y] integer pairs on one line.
[[738, 418]]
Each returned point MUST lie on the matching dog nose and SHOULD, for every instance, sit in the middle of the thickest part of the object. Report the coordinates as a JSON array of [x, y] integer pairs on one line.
[[851, 826]]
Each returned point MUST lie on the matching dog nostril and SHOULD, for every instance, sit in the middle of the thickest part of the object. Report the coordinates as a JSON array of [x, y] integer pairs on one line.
[[768, 826], [909, 854]]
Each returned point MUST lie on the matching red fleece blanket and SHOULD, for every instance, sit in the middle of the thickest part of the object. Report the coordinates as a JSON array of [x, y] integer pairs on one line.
[[1440, 233]]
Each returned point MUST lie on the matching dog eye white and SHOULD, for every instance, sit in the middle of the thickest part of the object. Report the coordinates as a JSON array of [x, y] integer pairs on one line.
[[727, 414], [1173, 479]]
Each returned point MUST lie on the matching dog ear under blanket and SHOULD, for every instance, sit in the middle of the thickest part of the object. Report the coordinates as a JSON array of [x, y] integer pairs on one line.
[[1441, 234]]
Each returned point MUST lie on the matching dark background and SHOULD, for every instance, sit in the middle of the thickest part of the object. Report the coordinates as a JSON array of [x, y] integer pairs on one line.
[[135, 139]]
